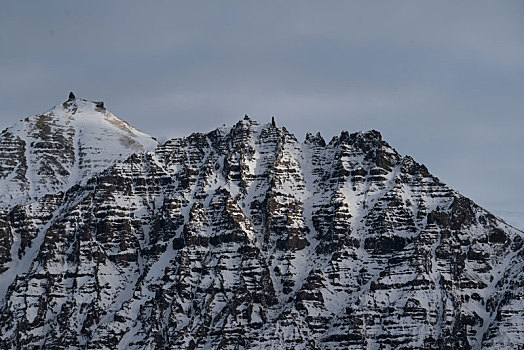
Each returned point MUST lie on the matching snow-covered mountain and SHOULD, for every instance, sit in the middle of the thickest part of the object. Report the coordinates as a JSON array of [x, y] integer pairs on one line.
[[50, 152], [246, 238]]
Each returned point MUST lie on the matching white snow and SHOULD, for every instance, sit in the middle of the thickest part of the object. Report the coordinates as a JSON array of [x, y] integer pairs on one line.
[[97, 138]]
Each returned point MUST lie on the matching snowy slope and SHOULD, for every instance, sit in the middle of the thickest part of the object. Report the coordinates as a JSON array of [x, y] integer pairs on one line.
[[246, 238], [50, 152]]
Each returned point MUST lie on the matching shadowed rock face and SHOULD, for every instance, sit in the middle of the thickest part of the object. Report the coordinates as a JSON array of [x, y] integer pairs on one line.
[[247, 238]]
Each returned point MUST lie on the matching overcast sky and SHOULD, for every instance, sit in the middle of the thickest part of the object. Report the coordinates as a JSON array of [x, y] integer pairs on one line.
[[443, 80]]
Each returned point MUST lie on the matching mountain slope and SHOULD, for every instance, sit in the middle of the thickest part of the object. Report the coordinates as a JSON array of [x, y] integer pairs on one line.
[[50, 152], [246, 238]]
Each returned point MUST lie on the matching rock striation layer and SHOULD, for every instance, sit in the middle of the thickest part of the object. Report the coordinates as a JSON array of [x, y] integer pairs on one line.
[[246, 238]]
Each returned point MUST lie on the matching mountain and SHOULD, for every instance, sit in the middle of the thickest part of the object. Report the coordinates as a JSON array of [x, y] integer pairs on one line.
[[246, 238], [50, 152]]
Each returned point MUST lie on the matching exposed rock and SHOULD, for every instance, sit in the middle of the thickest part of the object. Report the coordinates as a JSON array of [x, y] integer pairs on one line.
[[245, 238]]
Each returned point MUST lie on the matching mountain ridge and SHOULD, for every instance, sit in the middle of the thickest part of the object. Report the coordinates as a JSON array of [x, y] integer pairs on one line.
[[244, 237]]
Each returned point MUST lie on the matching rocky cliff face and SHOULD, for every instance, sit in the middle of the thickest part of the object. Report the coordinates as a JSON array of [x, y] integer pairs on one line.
[[247, 238]]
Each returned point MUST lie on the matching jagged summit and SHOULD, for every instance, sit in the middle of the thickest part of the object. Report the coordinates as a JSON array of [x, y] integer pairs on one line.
[[246, 238], [49, 152]]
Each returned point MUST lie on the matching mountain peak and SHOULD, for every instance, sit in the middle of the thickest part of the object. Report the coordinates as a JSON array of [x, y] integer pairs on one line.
[[72, 105], [49, 152]]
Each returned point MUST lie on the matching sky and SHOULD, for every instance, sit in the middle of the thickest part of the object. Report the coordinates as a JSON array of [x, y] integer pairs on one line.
[[443, 81]]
